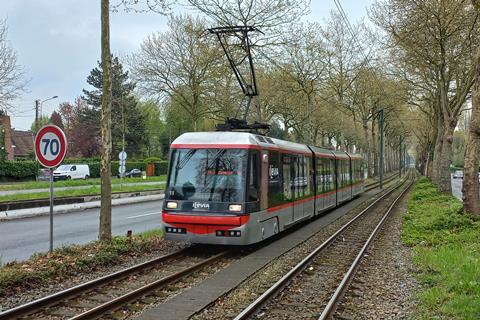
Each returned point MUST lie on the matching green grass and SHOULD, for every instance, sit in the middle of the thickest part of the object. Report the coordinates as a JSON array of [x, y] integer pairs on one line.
[[93, 190], [42, 269], [74, 183], [446, 246]]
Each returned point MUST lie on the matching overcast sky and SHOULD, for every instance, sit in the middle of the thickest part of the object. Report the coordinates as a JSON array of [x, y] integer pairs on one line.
[[58, 43]]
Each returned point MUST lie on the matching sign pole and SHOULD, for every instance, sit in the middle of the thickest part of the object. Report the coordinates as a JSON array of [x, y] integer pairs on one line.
[[50, 150], [51, 209]]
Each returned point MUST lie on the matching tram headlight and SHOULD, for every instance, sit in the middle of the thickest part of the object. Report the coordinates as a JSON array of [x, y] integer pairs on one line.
[[172, 205], [235, 207]]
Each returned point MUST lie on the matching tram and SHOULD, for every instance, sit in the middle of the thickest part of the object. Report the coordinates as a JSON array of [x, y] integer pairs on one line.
[[239, 188]]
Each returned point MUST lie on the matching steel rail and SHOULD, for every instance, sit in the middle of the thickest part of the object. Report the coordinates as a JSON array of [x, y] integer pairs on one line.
[[282, 282], [375, 184], [134, 295], [342, 287], [58, 297]]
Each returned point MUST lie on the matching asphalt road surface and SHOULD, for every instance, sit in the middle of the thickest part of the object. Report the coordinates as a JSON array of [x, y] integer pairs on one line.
[[21, 238]]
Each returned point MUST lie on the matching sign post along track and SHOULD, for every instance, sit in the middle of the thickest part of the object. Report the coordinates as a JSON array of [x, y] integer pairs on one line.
[[50, 149]]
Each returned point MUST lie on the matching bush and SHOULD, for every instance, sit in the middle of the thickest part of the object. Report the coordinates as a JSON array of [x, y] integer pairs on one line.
[[152, 159], [18, 169], [161, 167]]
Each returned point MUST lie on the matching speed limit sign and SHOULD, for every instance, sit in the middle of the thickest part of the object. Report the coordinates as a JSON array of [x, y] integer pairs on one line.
[[50, 146]]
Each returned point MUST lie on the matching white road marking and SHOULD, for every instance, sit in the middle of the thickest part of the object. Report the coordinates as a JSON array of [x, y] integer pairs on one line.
[[144, 215]]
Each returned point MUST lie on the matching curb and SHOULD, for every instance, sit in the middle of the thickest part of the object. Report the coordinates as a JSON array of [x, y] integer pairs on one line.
[[67, 208]]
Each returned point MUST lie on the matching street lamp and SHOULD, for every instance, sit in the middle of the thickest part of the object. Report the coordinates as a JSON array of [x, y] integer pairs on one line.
[[38, 104]]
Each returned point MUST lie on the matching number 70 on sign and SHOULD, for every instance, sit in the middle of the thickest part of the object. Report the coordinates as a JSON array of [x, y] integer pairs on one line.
[[50, 146]]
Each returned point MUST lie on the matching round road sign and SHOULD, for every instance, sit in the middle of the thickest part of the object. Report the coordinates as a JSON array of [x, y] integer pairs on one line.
[[122, 156], [50, 146]]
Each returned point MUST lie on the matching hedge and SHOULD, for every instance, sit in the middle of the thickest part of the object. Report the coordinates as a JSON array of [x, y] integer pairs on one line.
[[18, 170]]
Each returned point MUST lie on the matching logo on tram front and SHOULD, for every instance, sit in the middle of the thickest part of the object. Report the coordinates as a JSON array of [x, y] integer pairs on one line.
[[200, 205]]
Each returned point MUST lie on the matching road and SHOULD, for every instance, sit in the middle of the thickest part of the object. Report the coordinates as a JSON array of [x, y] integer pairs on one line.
[[23, 237], [457, 188]]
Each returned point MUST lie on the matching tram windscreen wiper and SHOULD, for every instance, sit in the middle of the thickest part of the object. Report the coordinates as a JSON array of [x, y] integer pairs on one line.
[[185, 159]]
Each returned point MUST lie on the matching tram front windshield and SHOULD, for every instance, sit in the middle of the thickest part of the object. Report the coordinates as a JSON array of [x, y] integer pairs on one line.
[[208, 175]]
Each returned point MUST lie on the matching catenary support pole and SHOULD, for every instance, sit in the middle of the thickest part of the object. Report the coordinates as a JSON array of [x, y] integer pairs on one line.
[[381, 125]]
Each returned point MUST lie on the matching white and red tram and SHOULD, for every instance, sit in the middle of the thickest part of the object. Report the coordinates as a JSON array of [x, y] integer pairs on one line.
[[240, 188]]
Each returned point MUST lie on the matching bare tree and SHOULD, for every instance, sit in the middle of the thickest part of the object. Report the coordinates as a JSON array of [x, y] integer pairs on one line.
[[105, 230], [179, 64], [12, 81], [263, 14], [438, 40], [471, 190]]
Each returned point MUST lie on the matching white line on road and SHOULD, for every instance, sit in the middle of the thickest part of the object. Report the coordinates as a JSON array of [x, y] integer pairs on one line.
[[144, 215]]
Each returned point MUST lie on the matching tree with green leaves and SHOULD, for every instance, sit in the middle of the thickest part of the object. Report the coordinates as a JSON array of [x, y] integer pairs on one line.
[[178, 64]]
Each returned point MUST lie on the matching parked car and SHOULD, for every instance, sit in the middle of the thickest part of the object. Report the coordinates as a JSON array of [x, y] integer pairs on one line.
[[71, 171], [43, 175], [458, 174], [133, 173]]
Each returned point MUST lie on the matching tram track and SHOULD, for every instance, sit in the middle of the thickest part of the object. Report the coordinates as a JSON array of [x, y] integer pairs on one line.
[[304, 291], [376, 184], [104, 295]]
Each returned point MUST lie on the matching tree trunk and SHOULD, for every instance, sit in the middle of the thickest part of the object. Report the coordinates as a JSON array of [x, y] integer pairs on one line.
[[443, 170], [105, 232], [437, 153], [471, 192]]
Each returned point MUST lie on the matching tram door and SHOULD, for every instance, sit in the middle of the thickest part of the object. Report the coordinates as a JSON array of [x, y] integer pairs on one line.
[[300, 174], [297, 186]]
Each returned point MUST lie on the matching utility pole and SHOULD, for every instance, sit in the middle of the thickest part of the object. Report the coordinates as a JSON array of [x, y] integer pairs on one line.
[[380, 126], [400, 158], [37, 106]]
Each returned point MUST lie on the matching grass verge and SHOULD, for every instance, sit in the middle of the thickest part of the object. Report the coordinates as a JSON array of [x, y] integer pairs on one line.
[[71, 260], [75, 183], [88, 191], [446, 245]]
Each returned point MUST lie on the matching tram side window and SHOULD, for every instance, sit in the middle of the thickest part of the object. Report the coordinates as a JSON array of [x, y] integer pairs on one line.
[[299, 177], [341, 174], [354, 171], [275, 185], [308, 175], [253, 177], [348, 178], [319, 177], [287, 161], [326, 175], [338, 174], [329, 178], [358, 171]]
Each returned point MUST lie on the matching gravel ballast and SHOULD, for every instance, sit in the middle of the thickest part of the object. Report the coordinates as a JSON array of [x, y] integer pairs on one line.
[[57, 284], [385, 285]]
